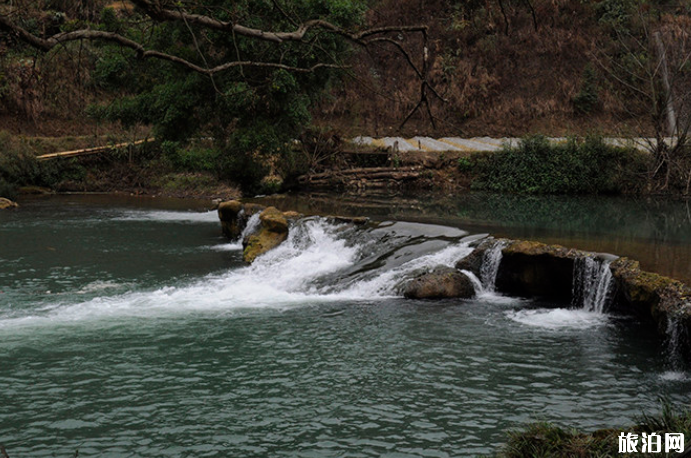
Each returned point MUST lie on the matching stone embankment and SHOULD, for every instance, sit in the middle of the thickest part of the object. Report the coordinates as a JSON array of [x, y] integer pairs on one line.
[[476, 144]]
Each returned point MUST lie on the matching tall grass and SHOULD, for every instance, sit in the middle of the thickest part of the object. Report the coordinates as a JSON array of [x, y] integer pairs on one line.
[[548, 440]]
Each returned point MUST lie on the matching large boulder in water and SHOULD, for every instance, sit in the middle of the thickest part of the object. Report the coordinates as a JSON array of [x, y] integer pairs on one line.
[[7, 203], [228, 213], [442, 282], [273, 232], [534, 269]]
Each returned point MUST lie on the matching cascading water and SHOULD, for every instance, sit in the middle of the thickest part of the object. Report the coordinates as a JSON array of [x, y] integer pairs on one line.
[[592, 284], [320, 261], [591, 292], [251, 227], [490, 265], [675, 338]]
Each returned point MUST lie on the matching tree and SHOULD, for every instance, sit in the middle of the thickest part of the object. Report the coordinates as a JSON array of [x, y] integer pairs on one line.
[[649, 65], [242, 72]]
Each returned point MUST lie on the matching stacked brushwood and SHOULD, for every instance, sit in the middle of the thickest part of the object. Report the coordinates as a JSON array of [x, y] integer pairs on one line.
[[366, 177]]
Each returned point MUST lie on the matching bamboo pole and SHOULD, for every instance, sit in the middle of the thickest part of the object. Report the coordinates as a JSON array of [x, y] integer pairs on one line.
[[94, 150]]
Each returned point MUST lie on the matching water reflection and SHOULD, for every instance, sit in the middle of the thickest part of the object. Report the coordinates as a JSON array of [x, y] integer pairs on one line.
[[654, 231]]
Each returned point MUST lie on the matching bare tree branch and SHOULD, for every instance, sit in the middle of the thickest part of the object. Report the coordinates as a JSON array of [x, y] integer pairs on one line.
[[46, 44]]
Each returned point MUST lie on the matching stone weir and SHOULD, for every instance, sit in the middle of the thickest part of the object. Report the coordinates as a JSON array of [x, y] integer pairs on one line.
[[565, 275], [559, 275]]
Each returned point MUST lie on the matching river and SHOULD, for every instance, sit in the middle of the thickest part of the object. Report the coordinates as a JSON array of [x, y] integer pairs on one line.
[[130, 327]]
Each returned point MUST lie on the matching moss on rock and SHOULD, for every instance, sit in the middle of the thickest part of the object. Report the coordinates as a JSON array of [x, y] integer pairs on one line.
[[273, 232]]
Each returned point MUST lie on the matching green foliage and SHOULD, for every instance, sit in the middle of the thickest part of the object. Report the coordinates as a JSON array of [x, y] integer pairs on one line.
[[7, 190], [538, 167], [615, 13], [465, 164], [190, 158], [587, 99], [244, 169], [18, 164], [250, 111]]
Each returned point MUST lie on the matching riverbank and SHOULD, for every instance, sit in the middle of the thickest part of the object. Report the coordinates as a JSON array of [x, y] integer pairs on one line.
[[533, 165]]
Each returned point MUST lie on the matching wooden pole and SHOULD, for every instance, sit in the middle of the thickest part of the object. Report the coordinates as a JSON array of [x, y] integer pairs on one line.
[[95, 150]]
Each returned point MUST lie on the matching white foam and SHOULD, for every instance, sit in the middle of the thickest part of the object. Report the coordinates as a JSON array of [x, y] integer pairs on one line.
[[313, 265], [674, 376], [169, 216], [280, 278], [386, 283], [101, 285], [558, 318], [233, 246]]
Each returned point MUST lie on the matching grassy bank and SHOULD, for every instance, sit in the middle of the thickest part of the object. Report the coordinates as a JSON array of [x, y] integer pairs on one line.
[[548, 440]]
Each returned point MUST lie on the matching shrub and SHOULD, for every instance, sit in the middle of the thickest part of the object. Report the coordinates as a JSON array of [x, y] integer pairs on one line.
[[587, 99], [190, 158], [538, 167], [19, 166]]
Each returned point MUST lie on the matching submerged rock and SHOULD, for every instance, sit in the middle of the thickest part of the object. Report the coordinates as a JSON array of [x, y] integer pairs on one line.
[[7, 203], [442, 282], [273, 232]]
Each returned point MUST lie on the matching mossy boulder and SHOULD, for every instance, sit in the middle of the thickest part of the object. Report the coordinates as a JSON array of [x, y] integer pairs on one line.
[[650, 295], [442, 282], [274, 220], [252, 208], [7, 204], [273, 232]]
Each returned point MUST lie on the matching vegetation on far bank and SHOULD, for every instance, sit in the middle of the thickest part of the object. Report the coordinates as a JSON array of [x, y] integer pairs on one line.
[[536, 166]]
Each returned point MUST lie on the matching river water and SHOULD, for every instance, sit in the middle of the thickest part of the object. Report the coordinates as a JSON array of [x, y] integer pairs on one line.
[[130, 327]]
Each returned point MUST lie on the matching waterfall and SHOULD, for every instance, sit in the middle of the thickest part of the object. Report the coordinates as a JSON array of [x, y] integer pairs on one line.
[[490, 265], [592, 284], [675, 338], [477, 284], [251, 227]]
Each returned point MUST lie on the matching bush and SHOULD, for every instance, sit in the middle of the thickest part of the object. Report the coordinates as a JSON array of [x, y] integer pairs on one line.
[[244, 169], [190, 158], [7, 190], [587, 99], [538, 167], [19, 166]]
